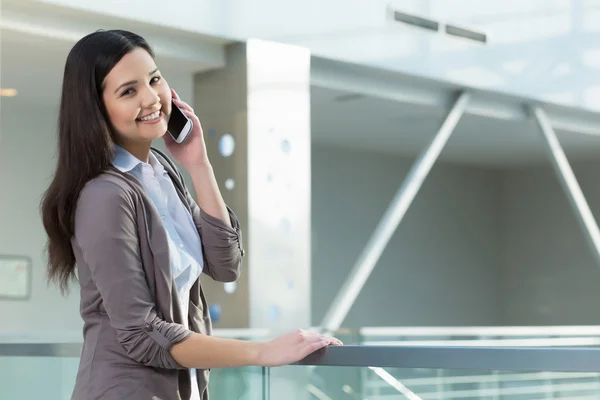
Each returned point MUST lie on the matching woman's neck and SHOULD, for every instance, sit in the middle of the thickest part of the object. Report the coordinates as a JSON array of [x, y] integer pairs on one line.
[[141, 151]]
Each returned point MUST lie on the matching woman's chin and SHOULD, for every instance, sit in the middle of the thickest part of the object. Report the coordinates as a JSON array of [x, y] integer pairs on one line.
[[151, 132]]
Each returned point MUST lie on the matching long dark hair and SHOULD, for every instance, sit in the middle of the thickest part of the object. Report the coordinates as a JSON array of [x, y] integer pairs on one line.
[[85, 140]]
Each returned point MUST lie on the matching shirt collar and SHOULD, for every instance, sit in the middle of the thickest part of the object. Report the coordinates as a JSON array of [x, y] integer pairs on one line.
[[124, 161]]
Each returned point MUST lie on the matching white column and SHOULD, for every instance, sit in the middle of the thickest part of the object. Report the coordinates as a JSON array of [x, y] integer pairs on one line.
[[256, 118]]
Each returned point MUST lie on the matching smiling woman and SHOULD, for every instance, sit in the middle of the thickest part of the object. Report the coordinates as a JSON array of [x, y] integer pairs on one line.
[[137, 100], [119, 216]]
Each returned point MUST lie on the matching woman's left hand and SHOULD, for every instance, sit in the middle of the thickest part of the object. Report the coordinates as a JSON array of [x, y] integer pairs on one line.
[[192, 152]]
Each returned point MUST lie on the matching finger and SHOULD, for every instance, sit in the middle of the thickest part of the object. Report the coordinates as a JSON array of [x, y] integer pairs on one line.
[[311, 348], [183, 105], [317, 339], [190, 114], [309, 340], [333, 341], [168, 139], [174, 94]]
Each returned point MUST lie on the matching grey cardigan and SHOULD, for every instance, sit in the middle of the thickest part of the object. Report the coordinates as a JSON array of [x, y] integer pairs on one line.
[[128, 305]]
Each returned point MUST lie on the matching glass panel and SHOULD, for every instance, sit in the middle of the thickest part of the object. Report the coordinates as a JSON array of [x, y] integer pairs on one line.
[[345, 383], [48, 378], [236, 383], [53, 378]]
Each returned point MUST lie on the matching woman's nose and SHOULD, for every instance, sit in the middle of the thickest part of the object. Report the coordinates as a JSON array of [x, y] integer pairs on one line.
[[150, 99]]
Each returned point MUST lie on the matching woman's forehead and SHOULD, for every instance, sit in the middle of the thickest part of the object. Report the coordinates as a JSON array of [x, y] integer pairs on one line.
[[133, 66]]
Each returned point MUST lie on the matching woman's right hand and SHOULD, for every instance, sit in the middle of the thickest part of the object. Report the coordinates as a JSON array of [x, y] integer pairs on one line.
[[293, 347]]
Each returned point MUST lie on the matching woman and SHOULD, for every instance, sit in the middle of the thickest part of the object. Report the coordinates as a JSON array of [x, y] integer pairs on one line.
[[120, 211]]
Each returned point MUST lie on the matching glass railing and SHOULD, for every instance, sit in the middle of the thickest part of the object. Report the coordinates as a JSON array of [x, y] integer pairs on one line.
[[38, 370], [32, 371], [47, 371], [493, 384], [436, 372]]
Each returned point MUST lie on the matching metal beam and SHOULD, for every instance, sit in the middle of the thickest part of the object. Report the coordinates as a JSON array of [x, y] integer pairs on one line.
[[427, 92], [391, 219], [569, 182]]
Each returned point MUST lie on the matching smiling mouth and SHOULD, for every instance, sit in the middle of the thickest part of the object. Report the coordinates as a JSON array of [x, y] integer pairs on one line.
[[151, 117]]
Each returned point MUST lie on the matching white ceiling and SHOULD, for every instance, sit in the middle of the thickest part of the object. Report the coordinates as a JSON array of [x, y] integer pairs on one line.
[[34, 66], [35, 40], [375, 124]]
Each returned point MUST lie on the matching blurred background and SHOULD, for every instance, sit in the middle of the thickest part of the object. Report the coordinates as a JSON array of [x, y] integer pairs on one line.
[[407, 173]]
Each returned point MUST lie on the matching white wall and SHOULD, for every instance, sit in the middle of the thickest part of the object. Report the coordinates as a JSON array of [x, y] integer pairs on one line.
[[28, 145], [27, 152], [442, 264], [477, 247], [550, 276]]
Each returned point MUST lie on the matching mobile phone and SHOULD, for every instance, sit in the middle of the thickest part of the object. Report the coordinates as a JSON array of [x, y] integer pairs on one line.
[[180, 125]]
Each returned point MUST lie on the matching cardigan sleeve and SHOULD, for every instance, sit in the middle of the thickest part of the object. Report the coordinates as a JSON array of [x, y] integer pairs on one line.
[[106, 237], [222, 245]]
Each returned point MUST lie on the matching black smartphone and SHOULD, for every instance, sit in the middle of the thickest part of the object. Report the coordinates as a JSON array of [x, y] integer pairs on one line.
[[180, 125]]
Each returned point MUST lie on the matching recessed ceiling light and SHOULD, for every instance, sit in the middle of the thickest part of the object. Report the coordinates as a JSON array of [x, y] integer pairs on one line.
[[8, 92]]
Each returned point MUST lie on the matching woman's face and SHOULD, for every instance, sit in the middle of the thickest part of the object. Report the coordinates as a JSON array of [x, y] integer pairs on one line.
[[137, 99]]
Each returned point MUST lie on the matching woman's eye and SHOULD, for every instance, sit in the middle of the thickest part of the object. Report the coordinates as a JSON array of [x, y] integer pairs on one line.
[[131, 91]]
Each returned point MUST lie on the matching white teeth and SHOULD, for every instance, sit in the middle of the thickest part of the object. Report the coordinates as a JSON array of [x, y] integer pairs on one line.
[[151, 116]]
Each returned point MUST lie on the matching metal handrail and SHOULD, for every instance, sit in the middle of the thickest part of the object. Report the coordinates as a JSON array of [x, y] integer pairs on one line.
[[558, 359], [473, 358]]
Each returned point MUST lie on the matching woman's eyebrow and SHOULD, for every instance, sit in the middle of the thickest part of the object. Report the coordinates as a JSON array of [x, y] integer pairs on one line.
[[132, 82]]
